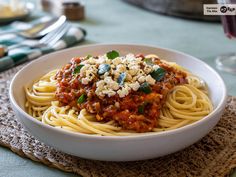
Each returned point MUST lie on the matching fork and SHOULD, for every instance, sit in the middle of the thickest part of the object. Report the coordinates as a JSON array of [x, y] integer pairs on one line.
[[48, 40]]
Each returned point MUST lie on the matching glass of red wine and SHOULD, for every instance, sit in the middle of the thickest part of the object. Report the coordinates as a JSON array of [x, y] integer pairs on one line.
[[227, 62]]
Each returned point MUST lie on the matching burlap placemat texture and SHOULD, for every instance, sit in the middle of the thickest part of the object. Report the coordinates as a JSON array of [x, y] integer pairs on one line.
[[214, 155]]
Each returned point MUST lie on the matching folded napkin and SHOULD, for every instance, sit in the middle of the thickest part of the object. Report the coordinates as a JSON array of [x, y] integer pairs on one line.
[[19, 55]]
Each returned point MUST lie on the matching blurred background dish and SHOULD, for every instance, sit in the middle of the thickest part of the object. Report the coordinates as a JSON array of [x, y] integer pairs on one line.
[[73, 9], [190, 9], [14, 10]]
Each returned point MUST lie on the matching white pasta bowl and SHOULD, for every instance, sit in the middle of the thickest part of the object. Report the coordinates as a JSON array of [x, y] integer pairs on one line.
[[122, 148]]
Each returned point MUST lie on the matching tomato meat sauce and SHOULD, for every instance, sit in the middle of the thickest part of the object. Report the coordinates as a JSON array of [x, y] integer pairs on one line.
[[138, 111]]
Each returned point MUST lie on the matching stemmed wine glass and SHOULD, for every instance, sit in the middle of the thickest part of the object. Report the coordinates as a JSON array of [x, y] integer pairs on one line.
[[227, 62]]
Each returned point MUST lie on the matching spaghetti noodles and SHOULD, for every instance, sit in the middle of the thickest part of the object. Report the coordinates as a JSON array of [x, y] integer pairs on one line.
[[183, 104]]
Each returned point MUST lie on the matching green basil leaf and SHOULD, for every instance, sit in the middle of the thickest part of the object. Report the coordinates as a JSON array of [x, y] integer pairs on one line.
[[148, 61], [121, 78], [141, 108], [103, 68], [77, 69], [112, 54], [82, 98], [145, 87], [158, 74]]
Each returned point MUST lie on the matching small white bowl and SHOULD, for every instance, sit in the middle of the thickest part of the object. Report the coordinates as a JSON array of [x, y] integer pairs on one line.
[[109, 148]]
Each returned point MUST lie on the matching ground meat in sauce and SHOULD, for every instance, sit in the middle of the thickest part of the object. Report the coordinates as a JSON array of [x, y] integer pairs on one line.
[[125, 111]]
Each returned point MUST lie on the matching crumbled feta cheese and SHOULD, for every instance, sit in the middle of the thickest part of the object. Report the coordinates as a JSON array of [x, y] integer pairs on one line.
[[101, 59], [116, 75], [148, 69], [155, 67], [140, 73], [130, 57], [123, 92], [111, 84], [135, 86], [120, 68], [85, 81], [115, 86], [133, 70], [128, 77], [141, 79], [137, 72], [106, 74], [98, 91], [126, 86], [84, 69], [108, 61], [109, 92], [108, 80], [138, 60], [100, 84], [91, 61], [135, 78], [150, 80], [117, 61]]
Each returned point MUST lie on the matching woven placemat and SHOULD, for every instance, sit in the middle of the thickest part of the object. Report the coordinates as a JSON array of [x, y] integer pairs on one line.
[[214, 155]]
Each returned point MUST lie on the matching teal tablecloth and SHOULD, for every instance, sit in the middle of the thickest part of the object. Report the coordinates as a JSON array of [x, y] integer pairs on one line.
[[117, 22]]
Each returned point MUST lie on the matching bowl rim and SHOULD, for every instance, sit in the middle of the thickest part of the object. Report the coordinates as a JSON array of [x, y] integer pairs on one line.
[[146, 135]]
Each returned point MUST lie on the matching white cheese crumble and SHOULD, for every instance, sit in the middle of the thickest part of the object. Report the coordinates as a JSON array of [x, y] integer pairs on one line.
[[107, 82], [150, 80]]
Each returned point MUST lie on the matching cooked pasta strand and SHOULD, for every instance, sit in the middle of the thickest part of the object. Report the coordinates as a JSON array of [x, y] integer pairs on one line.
[[185, 104]]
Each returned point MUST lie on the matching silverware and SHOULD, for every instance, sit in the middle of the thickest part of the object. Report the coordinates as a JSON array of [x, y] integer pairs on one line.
[[42, 29], [48, 40]]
